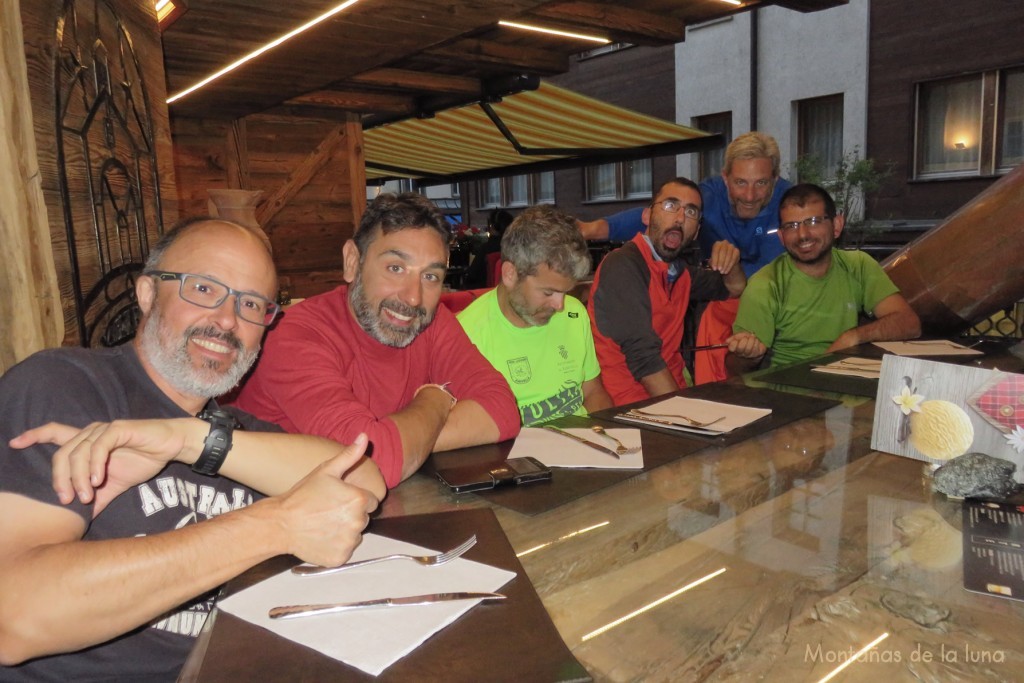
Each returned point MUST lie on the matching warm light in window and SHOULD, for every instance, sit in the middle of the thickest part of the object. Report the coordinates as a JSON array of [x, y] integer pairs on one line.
[[554, 32], [266, 48]]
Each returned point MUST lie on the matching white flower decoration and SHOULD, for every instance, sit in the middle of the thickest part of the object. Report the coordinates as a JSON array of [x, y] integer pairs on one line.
[[908, 402], [1016, 439]]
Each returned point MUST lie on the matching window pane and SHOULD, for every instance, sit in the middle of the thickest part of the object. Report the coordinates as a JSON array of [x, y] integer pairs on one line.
[[546, 187], [949, 123], [638, 178], [601, 182], [1012, 147], [518, 192], [820, 122], [493, 196], [711, 161]]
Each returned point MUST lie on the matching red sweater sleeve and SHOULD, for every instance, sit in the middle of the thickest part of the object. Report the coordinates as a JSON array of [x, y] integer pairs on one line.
[[472, 376]]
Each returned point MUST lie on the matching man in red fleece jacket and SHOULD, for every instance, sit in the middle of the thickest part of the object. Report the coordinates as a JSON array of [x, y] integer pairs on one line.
[[378, 355]]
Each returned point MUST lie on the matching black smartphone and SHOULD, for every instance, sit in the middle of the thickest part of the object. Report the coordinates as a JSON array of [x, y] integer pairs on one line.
[[489, 475]]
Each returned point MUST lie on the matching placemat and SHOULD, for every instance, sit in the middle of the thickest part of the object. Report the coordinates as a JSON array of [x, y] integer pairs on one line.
[[801, 375], [785, 408], [566, 485], [516, 635]]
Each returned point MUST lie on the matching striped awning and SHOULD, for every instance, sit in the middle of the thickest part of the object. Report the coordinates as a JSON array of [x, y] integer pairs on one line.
[[549, 127]]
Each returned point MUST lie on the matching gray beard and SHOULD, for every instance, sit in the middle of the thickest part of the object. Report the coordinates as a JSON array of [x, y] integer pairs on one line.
[[171, 360]]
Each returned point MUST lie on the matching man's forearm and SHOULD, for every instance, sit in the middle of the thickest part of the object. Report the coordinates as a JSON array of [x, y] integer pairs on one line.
[[894, 326], [738, 365], [274, 462], [468, 425], [419, 426], [61, 597], [658, 383]]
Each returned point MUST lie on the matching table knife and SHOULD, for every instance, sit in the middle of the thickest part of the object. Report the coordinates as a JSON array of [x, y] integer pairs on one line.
[[292, 611], [603, 449]]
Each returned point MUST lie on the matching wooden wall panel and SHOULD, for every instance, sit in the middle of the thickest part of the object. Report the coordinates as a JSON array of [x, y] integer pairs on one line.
[[310, 163], [40, 23]]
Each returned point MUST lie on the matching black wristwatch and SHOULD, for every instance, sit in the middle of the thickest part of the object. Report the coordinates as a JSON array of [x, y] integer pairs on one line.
[[217, 443]]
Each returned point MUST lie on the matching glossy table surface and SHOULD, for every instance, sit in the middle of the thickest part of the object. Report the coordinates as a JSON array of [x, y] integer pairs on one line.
[[810, 547], [826, 546]]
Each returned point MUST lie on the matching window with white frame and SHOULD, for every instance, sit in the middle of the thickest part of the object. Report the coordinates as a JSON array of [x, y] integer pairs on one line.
[[518, 190], [970, 125], [619, 180], [820, 131]]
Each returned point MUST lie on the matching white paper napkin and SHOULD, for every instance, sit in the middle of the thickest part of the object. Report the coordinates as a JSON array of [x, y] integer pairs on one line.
[[733, 416], [933, 347], [368, 639], [555, 450], [869, 368]]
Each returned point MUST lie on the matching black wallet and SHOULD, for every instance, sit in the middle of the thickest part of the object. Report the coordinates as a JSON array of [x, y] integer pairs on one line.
[[491, 475]]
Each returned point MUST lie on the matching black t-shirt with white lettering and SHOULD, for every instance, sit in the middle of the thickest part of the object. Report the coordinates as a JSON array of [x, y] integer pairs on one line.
[[76, 387]]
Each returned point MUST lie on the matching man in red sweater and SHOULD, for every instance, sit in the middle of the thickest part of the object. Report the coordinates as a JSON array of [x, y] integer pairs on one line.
[[378, 355]]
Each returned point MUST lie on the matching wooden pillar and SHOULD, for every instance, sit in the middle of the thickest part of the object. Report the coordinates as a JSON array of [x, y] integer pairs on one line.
[[30, 313], [970, 266]]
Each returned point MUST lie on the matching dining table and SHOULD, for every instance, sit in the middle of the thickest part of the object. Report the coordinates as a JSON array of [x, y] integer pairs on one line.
[[797, 553]]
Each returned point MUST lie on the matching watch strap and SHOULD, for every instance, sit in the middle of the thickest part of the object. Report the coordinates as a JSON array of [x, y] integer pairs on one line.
[[217, 443]]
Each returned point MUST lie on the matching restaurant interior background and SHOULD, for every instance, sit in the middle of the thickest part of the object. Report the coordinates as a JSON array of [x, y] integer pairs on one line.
[[106, 145]]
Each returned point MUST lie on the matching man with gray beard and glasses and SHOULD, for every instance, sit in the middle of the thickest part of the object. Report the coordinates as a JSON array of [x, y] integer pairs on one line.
[[378, 355], [129, 496]]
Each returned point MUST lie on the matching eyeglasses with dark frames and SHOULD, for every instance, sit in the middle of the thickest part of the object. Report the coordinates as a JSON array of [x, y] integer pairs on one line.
[[674, 205], [807, 223], [206, 292]]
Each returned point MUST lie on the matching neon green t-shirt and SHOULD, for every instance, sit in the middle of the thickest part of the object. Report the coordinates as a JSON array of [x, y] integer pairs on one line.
[[798, 316], [546, 365]]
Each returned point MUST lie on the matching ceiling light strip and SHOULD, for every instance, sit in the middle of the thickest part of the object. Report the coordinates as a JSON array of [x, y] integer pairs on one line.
[[269, 46], [652, 605], [554, 32]]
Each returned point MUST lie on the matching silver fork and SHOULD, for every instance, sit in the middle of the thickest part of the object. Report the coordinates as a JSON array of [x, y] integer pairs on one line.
[[425, 560], [690, 420], [620, 447]]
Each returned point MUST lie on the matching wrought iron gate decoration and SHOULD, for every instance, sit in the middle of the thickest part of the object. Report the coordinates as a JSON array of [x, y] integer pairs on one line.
[[107, 167]]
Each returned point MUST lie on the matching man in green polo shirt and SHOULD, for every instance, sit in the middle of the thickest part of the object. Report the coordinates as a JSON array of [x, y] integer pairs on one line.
[[530, 329], [807, 301]]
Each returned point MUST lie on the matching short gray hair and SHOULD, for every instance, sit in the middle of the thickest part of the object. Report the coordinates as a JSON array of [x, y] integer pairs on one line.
[[544, 235]]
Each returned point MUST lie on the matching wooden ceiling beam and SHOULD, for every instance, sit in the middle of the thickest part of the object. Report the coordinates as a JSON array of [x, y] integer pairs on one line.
[[620, 23], [418, 81], [355, 100], [505, 57]]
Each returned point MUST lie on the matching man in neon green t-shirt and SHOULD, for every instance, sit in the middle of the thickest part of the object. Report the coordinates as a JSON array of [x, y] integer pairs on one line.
[[807, 301], [530, 329]]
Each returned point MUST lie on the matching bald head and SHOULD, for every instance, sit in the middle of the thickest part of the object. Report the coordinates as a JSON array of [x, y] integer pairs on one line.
[[190, 349]]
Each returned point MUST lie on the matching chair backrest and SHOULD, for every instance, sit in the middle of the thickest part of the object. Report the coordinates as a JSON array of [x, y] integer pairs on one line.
[[493, 268], [456, 301]]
